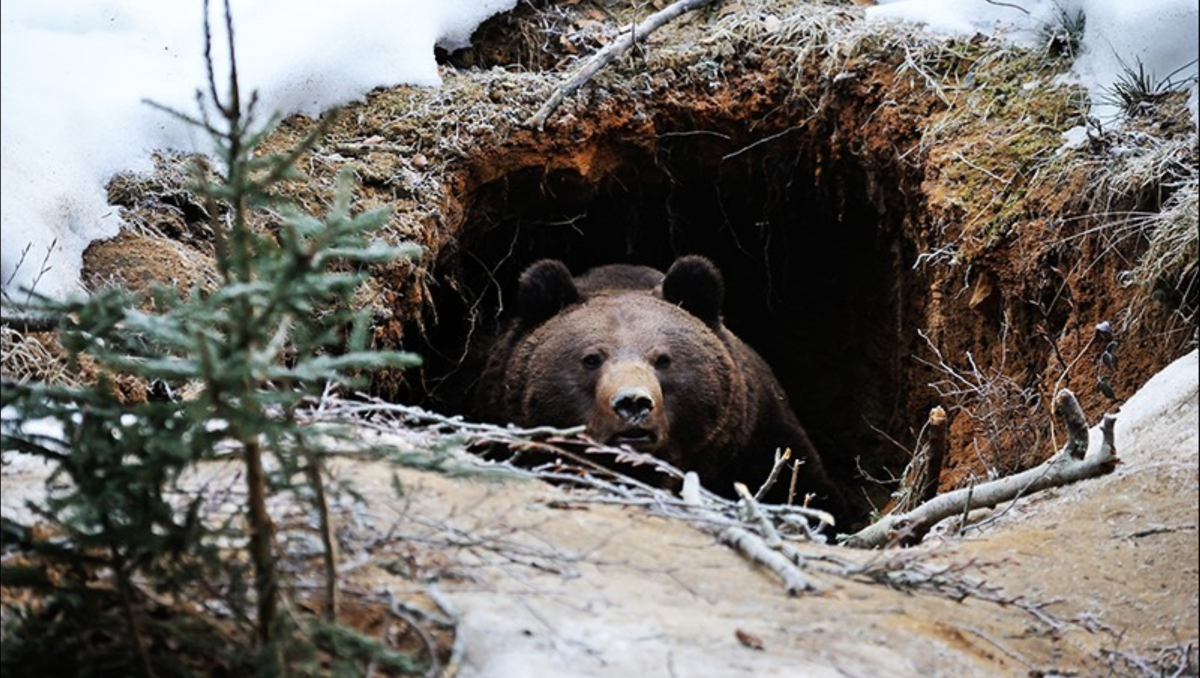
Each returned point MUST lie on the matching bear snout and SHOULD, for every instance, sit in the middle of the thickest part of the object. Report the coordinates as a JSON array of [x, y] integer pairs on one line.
[[633, 404], [629, 406]]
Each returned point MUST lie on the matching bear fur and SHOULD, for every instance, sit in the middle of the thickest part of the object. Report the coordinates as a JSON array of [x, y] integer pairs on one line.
[[643, 359]]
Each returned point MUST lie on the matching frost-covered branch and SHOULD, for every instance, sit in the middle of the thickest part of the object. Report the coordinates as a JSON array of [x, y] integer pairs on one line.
[[611, 52], [1068, 466]]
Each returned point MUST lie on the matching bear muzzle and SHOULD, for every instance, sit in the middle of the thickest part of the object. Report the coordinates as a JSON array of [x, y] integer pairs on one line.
[[633, 406], [634, 414]]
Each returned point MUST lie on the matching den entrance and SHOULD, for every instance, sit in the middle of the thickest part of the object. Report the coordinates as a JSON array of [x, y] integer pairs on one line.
[[817, 275]]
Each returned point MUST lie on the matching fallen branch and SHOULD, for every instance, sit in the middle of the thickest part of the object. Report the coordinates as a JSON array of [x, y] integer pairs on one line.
[[753, 547], [28, 324], [765, 550], [1068, 466], [610, 53]]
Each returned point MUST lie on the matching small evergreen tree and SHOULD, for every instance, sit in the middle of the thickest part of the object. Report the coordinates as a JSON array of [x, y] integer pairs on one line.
[[277, 329]]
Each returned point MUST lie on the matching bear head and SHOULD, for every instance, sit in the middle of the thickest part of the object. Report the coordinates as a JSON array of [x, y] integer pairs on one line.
[[636, 356]]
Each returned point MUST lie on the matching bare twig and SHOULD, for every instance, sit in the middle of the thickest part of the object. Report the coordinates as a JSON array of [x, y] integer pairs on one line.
[[753, 547], [1008, 4], [1062, 469], [781, 460], [760, 142], [999, 406], [37, 278], [329, 551], [610, 53]]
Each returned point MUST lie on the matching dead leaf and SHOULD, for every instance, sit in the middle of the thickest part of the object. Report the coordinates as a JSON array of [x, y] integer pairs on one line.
[[749, 640]]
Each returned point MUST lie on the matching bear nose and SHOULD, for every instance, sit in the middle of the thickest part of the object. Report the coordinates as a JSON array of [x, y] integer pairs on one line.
[[633, 404]]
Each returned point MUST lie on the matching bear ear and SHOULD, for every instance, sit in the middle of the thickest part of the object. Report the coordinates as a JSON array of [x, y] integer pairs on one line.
[[545, 288], [695, 284]]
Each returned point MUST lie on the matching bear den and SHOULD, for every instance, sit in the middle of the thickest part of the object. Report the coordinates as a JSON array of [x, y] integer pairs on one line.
[[644, 360]]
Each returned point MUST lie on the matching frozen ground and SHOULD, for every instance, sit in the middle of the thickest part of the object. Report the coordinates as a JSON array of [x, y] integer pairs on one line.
[[1094, 576]]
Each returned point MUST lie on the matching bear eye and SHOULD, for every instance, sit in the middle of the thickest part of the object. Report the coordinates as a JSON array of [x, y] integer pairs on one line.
[[593, 360], [662, 362]]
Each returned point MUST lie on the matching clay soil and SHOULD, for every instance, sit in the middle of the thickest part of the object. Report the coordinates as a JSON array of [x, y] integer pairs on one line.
[[899, 226]]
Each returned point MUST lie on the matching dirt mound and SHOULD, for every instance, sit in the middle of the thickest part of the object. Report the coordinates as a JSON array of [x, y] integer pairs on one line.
[[899, 223]]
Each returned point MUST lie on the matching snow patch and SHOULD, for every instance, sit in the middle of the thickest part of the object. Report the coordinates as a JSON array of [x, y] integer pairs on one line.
[[75, 75], [1162, 36]]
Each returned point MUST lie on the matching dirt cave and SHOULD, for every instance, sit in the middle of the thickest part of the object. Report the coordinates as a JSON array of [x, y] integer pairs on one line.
[[815, 263], [889, 242]]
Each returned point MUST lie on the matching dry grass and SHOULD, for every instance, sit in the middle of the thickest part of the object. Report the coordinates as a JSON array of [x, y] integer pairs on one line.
[[35, 357], [1141, 209]]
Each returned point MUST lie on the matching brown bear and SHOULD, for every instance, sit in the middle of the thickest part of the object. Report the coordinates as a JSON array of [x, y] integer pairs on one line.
[[644, 360]]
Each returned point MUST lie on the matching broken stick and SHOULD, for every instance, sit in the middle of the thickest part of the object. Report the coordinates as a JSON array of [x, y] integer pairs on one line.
[[1061, 469], [920, 480], [764, 551], [610, 53], [781, 460]]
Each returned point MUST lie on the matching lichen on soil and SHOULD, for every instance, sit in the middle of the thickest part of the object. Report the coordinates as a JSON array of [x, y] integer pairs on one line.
[[897, 218]]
